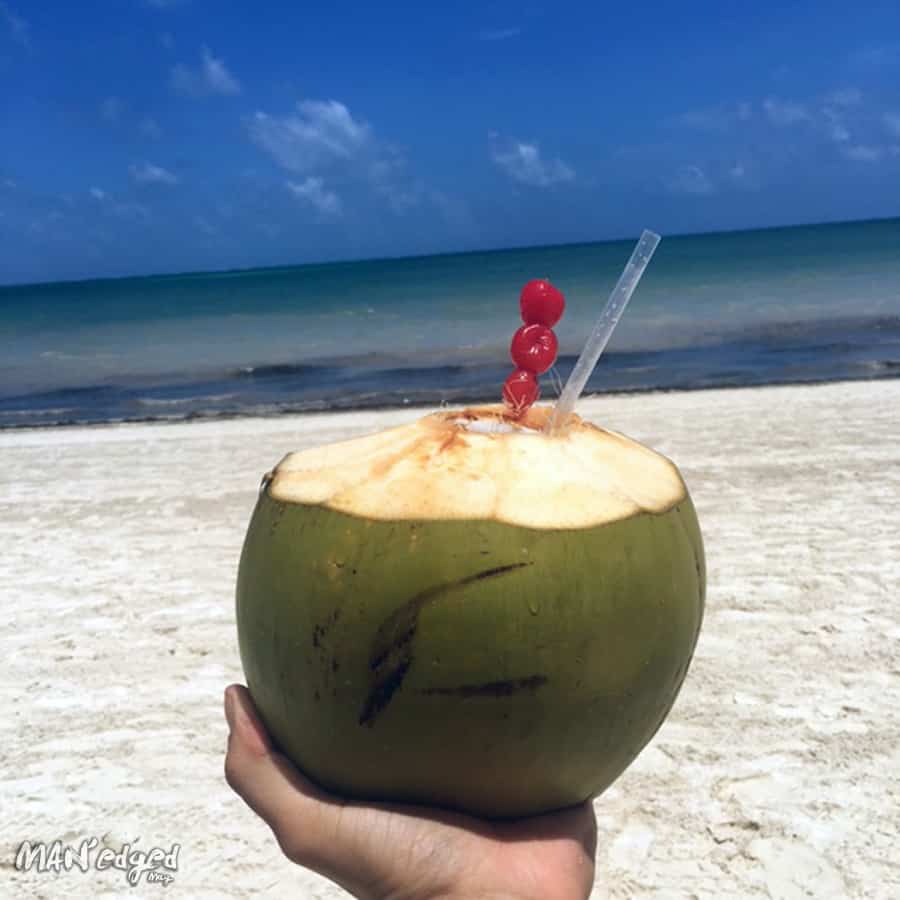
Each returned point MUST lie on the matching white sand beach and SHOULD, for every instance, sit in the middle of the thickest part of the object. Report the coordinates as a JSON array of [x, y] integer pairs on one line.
[[777, 774]]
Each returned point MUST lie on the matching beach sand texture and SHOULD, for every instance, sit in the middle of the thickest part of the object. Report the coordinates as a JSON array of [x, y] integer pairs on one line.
[[776, 775]]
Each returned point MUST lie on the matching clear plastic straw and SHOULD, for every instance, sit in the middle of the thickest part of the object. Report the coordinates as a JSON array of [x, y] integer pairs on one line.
[[603, 330]]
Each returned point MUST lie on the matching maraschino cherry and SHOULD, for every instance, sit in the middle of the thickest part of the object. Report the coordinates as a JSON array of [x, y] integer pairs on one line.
[[534, 345], [534, 348], [541, 303], [521, 390]]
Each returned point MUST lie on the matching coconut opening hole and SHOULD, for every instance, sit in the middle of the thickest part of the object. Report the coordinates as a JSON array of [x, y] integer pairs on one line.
[[493, 426]]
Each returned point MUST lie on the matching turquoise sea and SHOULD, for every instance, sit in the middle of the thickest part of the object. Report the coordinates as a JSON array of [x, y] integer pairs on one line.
[[804, 304]]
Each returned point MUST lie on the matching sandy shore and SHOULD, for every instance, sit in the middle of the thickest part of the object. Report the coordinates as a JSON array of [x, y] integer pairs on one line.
[[778, 773]]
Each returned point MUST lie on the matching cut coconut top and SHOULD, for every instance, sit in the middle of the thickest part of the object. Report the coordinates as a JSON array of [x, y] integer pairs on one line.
[[483, 464]]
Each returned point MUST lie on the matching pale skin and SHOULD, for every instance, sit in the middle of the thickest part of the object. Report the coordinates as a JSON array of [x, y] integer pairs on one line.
[[383, 851]]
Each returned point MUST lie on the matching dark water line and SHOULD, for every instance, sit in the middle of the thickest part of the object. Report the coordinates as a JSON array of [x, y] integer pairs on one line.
[[383, 403]]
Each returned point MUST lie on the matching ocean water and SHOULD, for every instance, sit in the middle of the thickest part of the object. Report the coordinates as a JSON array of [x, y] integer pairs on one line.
[[804, 304]]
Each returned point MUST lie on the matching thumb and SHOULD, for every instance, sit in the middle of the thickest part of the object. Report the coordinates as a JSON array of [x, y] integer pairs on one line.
[[306, 821]]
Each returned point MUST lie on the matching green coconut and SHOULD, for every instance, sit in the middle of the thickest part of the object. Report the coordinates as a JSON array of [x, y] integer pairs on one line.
[[464, 612]]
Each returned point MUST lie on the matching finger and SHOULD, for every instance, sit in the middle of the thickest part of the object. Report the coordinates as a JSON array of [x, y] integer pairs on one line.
[[307, 821], [261, 775]]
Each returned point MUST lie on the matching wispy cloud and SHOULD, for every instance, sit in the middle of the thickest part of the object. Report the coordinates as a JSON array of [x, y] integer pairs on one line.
[[692, 179], [48, 224], [857, 128], [835, 127], [111, 109], [498, 34], [210, 77], [719, 118], [323, 137], [389, 179], [134, 212], [147, 173], [454, 210], [312, 190], [269, 229], [202, 224], [878, 55], [522, 162], [784, 112], [854, 124], [316, 135], [866, 153], [850, 96], [149, 128], [829, 114], [19, 29]]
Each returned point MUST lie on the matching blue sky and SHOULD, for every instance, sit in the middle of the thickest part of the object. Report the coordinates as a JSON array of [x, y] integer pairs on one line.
[[143, 136]]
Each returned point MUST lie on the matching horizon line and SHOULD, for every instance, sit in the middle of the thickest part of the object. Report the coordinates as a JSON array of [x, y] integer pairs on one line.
[[445, 253]]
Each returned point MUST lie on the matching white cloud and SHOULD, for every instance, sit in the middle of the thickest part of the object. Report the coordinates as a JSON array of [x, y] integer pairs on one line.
[[522, 162], [111, 109], [323, 136], [498, 34], [219, 79], [845, 97], [717, 118], [211, 77], [712, 119], [201, 223], [149, 128], [878, 55], [9, 184], [134, 212], [892, 123], [147, 173], [317, 134], [454, 210], [312, 190], [269, 229], [738, 170], [839, 133], [864, 153], [691, 180], [837, 130], [19, 29], [388, 177], [783, 112]]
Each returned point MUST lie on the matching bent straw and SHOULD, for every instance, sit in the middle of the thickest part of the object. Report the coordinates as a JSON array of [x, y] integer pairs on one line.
[[603, 330]]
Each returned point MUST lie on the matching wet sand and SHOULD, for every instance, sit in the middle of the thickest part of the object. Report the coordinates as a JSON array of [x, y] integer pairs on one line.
[[777, 774]]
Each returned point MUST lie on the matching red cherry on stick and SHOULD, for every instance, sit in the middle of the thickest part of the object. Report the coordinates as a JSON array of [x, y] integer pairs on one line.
[[520, 390], [541, 303], [534, 348]]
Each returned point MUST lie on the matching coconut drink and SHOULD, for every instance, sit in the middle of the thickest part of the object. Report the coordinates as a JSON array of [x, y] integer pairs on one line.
[[480, 610]]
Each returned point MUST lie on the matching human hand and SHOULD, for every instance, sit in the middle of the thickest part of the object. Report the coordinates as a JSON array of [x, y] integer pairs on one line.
[[387, 851]]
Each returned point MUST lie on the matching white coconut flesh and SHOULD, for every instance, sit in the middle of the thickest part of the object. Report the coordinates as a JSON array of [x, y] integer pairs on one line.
[[483, 464]]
